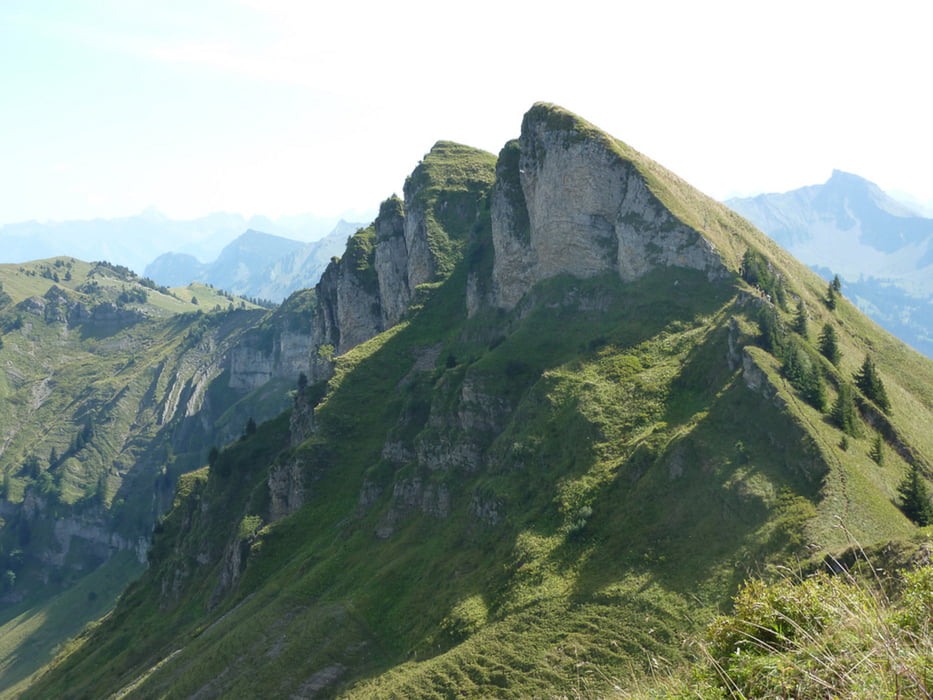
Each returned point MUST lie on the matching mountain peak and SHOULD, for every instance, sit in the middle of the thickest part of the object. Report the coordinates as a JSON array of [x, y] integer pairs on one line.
[[841, 180], [573, 200]]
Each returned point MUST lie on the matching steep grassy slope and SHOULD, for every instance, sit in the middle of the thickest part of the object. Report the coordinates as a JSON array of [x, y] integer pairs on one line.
[[538, 501]]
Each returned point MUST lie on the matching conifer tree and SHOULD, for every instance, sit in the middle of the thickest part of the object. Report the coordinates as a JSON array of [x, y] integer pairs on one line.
[[800, 320], [804, 376], [772, 334], [915, 497], [829, 346], [843, 413], [812, 388], [869, 381], [831, 297], [793, 367]]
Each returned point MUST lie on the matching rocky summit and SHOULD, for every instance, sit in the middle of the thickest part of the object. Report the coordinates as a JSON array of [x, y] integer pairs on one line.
[[559, 406]]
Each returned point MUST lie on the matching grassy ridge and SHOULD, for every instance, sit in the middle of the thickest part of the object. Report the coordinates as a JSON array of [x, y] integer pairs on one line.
[[605, 424], [536, 502]]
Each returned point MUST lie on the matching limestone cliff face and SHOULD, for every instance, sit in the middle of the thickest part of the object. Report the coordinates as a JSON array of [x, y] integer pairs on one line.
[[569, 201], [252, 365], [421, 264], [349, 311], [392, 261]]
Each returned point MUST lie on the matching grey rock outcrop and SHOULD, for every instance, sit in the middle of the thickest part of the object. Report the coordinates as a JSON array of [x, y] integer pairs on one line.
[[286, 489], [391, 261], [286, 357], [568, 202], [370, 288], [348, 313]]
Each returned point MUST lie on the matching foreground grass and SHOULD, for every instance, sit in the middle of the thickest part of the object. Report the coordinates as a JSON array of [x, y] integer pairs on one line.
[[861, 635]]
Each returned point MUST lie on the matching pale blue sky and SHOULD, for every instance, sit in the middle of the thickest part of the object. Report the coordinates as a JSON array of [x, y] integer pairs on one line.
[[279, 107]]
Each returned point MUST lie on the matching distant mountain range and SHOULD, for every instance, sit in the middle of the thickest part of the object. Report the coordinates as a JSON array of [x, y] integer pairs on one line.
[[256, 264], [135, 241], [881, 247]]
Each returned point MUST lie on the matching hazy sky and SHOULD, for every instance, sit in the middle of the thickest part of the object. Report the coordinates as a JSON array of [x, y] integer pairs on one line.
[[279, 106]]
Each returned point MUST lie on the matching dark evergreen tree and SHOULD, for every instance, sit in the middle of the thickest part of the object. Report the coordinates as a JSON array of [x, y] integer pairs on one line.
[[213, 455], [915, 497], [100, 493], [804, 375], [831, 297], [869, 381], [836, 284], [793, 367], [302, 381], [829, 345], [844, 414], [772, 332], [812, 388], [800, 320], [250, 426]]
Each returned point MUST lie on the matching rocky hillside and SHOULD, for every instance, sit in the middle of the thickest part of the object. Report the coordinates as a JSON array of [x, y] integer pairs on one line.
[[559, 405], [111, 387], [882, 249]]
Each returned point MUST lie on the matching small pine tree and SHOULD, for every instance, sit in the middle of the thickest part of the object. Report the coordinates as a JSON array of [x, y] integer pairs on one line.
[[831, 297], [212, 456], [804, 376], [793, 367], [812, 388], [843, 413], [772, 333], [250, 426], [869, 381], [800, 320], [915, 497], [877, 450], [836, 284], [829, 345], [302, 381]]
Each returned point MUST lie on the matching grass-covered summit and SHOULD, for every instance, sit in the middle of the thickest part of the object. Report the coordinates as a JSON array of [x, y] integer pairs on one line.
[[608, 407]]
